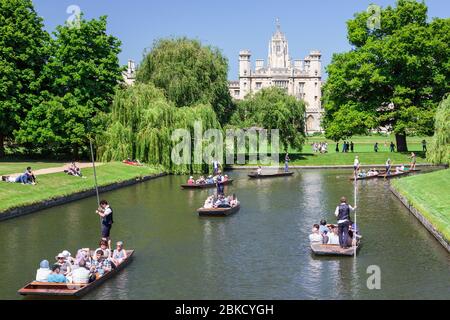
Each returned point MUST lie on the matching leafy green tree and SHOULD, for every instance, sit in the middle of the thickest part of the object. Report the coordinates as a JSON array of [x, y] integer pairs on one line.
[[394, 76], [80, 79], [272, 108], [439, 149], [23, 53], [189, 73], [141, 126]]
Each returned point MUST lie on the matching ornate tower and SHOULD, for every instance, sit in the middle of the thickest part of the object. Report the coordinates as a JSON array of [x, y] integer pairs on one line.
[[244, 73], [278, 50]]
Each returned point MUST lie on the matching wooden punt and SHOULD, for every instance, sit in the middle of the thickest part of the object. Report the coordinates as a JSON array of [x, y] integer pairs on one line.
[[218, 212], [204, 186], [365, 178], [393, 175], [254, 175], [333, 250], [71, 289]]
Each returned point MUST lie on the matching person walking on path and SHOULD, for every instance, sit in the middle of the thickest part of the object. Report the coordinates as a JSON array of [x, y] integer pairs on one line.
[[106, 213], [424, 145], [342, 213], [375, 148], [337, 147], [392, 147], [413, 161], [286, 162], [352, 146]]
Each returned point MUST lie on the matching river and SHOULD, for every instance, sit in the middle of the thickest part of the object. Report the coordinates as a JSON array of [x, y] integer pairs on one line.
[[262, 252]]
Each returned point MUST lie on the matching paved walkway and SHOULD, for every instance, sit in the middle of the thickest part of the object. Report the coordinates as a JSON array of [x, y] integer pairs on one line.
[[80, 165]]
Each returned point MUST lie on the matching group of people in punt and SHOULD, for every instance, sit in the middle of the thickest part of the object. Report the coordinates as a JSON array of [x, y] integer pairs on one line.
[[209, 180], [220, 201], [84, 268], [344, 234], [388, 166]]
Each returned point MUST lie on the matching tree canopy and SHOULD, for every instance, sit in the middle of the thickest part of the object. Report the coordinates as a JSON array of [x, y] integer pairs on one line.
[[273, 108], [23, 53], [439, 149], [394, 76], [79, 82], [141, 126], [188, 73]]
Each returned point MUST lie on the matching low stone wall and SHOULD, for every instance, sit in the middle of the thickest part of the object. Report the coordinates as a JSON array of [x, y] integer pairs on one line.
[[427, 224], [16, 212], [321, 167]]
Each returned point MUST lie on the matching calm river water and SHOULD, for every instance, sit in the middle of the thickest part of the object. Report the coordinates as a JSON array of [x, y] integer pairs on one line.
[[262, 252]]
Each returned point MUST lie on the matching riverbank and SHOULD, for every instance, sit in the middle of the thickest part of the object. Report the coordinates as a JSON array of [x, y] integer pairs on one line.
[[57, 188], [426, 196]]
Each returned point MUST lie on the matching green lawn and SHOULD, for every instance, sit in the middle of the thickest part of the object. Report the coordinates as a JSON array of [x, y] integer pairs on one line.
[[59, 184], [8, 167], [429, 193]]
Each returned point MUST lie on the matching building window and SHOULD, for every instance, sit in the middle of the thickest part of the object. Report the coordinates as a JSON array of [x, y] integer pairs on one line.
[[315, 84], [236, 93], [315, 98], [281, 83], [258, 85], [301, 89], [245, 84]]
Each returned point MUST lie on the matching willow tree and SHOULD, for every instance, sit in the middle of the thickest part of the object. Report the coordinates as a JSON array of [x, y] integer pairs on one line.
[[142, 123], [439, 149], [188, 73]]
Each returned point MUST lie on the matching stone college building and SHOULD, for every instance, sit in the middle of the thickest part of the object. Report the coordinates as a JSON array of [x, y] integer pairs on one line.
[[300, 78]]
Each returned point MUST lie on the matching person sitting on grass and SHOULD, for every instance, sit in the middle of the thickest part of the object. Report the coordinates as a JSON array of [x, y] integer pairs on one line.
[[119, 254], [55, 276], [26, 178], [73, 170], [43, 272], [315, 236]]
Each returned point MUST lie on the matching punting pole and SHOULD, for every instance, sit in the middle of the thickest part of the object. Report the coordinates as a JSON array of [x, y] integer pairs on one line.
[[95, 173], [354, 231]]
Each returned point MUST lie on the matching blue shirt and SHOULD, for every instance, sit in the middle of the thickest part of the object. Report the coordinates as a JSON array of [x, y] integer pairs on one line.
[[323, 228], [53, 277]]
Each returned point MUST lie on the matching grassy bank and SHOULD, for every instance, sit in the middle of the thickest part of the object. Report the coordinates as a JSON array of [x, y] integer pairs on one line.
[[429, 193], [49, 186], [9, 167]]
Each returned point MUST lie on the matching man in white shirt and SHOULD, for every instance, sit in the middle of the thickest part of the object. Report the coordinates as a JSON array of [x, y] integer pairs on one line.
[[342, 212], [315, 236], [81, 274]]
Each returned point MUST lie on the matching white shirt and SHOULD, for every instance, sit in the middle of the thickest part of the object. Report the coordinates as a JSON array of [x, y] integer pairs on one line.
[[80, 275], [336, 213], [315, 237], [333, 238], [107, 210], [356, 162], [42, 274]]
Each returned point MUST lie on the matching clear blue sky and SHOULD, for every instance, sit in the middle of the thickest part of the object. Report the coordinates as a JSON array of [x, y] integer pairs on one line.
[[231, 25]]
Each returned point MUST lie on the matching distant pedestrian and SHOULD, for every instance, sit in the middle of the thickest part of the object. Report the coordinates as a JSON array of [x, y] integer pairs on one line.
[[344, 147], [337, 147], [375, 148], [352, 146], [392, 146], [424, 145], [413, 161], [286, 162]]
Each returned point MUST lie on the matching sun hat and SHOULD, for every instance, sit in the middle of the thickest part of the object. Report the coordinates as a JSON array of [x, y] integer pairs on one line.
[[66, 254], [60, 255]]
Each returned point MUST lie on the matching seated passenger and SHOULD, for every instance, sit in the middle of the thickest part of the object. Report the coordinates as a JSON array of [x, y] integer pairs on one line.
[[201, 180], [68, 257], [210, 180], [333, 237], [81, 274], [104, 248], [64, 266], [119, 254], [324, 237], [362, 174], [209, 203], [55, 276], [83, 255], [315, 236], [191, 180], [402, 167], [225, 178], [323, 226], [259, 170], [222, 202], [43, 272], [100, 264]]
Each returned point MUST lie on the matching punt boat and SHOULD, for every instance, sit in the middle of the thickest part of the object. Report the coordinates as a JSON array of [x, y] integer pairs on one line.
[[218, 212]]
